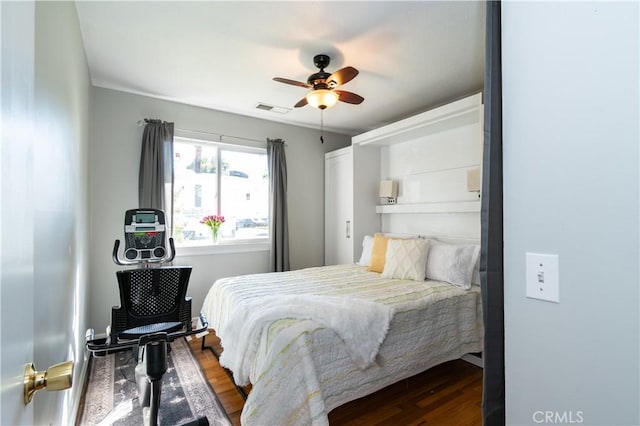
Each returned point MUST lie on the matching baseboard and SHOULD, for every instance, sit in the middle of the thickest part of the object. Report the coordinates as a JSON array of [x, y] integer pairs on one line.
[[473, 359], [75, 407]]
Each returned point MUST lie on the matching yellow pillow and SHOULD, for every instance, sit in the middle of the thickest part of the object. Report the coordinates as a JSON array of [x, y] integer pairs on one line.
[[378, 253]]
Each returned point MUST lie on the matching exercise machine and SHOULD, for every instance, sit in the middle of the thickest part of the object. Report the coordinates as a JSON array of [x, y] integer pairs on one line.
[[154, 310]]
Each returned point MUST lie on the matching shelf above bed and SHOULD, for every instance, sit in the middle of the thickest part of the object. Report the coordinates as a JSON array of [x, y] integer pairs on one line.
[[445, 207], [462, 112]]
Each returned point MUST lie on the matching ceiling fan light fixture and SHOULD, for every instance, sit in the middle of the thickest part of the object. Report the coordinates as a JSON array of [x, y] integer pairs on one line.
[[322, 98]]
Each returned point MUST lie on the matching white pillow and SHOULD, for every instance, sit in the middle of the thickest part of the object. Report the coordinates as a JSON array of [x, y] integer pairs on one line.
[[406, 259], [452, 263], [367, 247], [475, 279]]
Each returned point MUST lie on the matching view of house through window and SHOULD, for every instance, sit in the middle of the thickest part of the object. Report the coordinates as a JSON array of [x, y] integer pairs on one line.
[[217, 179]]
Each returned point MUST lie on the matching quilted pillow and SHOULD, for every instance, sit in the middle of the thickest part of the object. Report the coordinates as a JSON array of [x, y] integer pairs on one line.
[[452, 263], [406, 259]]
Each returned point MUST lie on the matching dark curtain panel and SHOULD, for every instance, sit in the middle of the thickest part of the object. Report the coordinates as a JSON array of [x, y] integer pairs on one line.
[[155, 182], [491, 259], [278, 218]]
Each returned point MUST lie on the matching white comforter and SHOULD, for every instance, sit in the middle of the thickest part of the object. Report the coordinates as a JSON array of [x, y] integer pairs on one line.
[[301, 368], [361, 325]]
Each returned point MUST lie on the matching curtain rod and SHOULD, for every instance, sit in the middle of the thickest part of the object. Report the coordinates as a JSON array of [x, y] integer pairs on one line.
[[220, 136]]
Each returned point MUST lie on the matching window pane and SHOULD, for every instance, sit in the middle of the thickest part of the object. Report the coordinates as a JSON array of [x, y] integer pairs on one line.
[[198, 199], [243, 182], [244, 194], [195, 191]]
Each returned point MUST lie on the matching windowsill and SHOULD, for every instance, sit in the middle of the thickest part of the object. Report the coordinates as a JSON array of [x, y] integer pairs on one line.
[[223, 247]]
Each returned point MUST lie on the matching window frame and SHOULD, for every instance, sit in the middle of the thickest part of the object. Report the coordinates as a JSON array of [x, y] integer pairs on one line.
[[228, 245]]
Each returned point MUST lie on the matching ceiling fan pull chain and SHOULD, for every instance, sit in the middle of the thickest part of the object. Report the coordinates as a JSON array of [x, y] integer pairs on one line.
[[321, 125]]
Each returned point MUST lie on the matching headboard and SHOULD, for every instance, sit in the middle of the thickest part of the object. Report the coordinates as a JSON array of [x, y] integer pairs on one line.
[[430, 155]]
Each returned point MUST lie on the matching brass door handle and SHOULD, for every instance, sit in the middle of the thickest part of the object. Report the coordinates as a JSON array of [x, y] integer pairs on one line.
[[57, 377]]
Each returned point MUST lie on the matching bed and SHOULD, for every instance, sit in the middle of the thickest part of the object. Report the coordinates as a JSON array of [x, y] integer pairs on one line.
[[313, 339]]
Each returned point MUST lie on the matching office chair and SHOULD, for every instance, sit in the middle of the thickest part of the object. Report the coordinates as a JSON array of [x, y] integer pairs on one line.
[[151, 300], [153, 304]]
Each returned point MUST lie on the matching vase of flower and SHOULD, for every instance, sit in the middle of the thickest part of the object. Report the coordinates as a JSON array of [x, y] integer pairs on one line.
[[213, 222]]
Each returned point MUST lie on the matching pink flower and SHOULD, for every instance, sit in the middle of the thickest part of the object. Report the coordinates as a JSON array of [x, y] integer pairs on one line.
[[213, 221]]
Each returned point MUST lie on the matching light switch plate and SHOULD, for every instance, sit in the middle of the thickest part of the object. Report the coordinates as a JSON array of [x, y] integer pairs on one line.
[[543, 277]]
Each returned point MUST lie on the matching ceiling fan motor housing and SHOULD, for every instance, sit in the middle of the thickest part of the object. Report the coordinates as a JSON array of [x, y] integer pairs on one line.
[[317, 80], [321, 61]]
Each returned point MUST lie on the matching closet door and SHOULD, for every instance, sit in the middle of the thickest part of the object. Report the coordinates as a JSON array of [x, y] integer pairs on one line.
[[338, 205]]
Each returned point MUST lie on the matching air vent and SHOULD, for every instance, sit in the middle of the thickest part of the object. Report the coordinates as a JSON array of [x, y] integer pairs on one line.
[[272, 108]]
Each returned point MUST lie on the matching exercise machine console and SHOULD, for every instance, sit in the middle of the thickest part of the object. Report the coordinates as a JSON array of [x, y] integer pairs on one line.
[[145, 238]]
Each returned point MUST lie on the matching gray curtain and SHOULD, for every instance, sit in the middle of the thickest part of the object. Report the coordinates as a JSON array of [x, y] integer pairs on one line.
[[491, 254], [155, 182], [278, 218]]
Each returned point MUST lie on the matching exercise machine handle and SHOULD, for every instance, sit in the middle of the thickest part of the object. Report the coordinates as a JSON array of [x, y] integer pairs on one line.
[[123, 262]]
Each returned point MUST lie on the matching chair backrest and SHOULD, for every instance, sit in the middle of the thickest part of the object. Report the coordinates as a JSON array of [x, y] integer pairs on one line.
[[153, 295]]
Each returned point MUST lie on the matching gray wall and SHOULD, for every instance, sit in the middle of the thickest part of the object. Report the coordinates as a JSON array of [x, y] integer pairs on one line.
[[571, 120], [114, 161]]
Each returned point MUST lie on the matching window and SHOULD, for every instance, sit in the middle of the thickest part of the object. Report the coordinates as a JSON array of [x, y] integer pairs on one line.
[[217, 179]]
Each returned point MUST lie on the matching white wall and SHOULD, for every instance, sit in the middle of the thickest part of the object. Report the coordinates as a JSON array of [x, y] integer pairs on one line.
[[114, 161], [17, 23], [46, 228], [431, 170], [571, 160], [62, 104]]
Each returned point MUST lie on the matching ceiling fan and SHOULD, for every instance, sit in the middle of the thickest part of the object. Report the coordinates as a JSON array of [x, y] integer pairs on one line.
[[324, 94]]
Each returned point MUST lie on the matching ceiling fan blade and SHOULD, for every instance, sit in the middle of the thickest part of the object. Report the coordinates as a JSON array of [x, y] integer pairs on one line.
[[293, 82], [302, 102], [342, 76], [348, 97]]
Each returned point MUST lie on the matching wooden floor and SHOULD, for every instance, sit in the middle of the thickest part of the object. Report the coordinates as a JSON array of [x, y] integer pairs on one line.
[[449, 394]]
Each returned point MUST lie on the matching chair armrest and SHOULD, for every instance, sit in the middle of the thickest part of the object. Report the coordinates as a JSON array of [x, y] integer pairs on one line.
[[185, 313], [118, 322]]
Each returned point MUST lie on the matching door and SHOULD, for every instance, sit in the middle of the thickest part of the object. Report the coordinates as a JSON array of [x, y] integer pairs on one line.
[[17, 22], [339, 207]]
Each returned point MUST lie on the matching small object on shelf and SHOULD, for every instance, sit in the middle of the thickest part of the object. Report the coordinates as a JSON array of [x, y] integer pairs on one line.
[[474, 179], [388, 191]]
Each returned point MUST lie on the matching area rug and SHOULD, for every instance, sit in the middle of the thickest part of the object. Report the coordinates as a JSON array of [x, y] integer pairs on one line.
[[112, 395]]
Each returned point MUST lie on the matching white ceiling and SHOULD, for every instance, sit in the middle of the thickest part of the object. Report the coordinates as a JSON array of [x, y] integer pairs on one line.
[[412, 56]]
